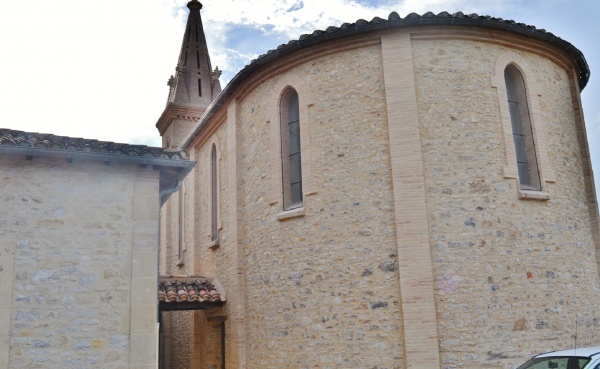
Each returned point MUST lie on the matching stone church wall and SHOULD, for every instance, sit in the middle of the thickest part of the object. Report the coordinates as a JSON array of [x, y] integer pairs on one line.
[[324, 287], [496, 275], [222, 258], [512, 272], [195, 339], [512, 276]]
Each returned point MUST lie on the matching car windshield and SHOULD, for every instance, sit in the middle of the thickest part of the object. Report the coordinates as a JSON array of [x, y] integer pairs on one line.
[[570, 362]]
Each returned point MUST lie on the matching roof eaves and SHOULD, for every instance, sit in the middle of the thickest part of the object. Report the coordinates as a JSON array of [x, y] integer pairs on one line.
[[47, 145], [314, 38], [394, 21], [95, 156]]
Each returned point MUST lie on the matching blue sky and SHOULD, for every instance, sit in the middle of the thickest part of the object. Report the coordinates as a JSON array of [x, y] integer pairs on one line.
[[99, 69]]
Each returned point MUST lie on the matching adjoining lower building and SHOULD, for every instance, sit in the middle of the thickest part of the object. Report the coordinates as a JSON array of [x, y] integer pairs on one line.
[[79, 238]]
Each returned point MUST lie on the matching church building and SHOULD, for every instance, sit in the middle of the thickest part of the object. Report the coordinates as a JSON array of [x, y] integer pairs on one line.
[[408, 192], [403, 193]]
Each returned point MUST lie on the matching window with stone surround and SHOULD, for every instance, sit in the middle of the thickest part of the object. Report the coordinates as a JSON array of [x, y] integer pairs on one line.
[[290, 159], [527, 164], [180, 225], [180, 222], [526, 150], [214, 227], [291, 155]]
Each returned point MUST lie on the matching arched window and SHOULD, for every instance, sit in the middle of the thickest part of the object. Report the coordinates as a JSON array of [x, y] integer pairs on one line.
[[181, 220], [527, 163], [214, 229], [291, 156]]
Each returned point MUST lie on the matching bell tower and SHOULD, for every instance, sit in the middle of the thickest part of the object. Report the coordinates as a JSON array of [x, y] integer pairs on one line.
[[194, 85]]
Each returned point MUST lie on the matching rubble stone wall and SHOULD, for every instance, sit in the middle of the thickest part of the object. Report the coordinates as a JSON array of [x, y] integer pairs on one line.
[[83, 240]]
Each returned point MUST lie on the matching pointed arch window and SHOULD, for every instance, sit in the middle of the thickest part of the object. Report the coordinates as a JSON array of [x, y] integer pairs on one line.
[[522, 130], [214, 227], [291, 155]]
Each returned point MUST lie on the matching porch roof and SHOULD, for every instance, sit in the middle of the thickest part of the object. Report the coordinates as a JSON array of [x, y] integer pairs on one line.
[[189, 293]]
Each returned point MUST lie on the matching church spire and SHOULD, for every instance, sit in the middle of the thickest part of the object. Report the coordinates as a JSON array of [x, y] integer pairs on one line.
[[195, 79], [195, 84]]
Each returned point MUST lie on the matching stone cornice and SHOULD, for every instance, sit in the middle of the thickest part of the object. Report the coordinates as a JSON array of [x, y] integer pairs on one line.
[[178, 111]]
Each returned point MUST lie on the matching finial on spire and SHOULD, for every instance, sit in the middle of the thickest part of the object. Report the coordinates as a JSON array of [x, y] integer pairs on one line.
[[194, 4], [216, 74]]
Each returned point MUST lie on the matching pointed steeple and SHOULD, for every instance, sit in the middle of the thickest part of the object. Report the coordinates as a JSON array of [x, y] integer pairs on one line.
[[195, 84]]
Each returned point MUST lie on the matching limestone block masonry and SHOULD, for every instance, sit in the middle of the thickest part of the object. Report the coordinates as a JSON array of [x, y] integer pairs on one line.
[[511, 275], [78, 254], [415, 245], [325, 284]]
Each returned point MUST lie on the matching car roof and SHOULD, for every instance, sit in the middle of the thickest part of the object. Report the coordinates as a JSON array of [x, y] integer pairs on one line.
[[582, 351]]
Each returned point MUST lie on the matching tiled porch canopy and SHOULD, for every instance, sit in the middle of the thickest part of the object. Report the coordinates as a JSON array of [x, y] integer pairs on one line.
[[189, 293]]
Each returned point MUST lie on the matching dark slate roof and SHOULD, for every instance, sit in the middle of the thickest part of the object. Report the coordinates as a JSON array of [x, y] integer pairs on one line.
[[188, 293], [46, 141], [395, 21]]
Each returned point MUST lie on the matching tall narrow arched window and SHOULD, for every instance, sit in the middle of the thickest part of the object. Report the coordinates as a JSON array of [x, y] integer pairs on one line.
[[181, 214], [214, 228], [527, 163], [291, 156]]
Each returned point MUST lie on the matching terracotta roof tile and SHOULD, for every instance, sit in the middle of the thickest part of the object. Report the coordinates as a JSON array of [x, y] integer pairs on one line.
[[178, 290]]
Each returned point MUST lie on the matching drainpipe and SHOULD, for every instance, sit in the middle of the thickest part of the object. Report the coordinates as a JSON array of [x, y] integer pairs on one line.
[[165, 193], [163, 196]]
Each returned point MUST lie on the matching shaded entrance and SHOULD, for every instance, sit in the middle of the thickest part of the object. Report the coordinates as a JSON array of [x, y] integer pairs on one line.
[[180, 300]]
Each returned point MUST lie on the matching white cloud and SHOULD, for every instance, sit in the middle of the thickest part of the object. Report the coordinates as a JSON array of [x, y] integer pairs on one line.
[[292, 19], [287, 20], [312, 15], [99, 70], [76, 69]]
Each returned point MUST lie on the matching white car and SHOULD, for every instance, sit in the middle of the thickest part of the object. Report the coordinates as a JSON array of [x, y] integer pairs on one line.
[[581, 358]]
